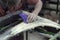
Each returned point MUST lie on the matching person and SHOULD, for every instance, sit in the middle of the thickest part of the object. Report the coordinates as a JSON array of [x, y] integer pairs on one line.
[[14, 5]]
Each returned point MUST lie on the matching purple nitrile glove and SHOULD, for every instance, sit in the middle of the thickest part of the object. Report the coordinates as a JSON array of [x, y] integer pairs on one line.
[[24, 17]]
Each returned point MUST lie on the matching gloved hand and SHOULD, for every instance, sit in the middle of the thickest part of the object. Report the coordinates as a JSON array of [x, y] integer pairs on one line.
[[2, 12]]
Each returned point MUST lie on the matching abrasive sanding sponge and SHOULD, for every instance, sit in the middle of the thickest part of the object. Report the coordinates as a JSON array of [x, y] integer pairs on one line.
[[24, 17]]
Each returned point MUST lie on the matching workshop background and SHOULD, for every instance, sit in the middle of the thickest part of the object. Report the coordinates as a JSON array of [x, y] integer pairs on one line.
[[50, 10]]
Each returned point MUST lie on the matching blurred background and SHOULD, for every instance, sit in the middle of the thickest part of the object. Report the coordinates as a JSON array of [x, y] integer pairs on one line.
[[50, 10]]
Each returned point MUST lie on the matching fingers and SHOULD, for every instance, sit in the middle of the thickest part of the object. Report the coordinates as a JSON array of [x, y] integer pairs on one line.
[[2, 12], [11, 8], [31, 18]]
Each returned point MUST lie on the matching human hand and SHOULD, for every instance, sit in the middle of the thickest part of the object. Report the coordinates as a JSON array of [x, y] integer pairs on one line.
[[32, 17], [11, 8], [2, 12]]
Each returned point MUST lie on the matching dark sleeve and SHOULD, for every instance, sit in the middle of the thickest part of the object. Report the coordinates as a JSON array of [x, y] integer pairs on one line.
[[44, 1], [32, 2]]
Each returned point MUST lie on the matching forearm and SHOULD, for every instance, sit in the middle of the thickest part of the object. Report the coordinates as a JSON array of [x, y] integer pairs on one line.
[[38, 7]]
